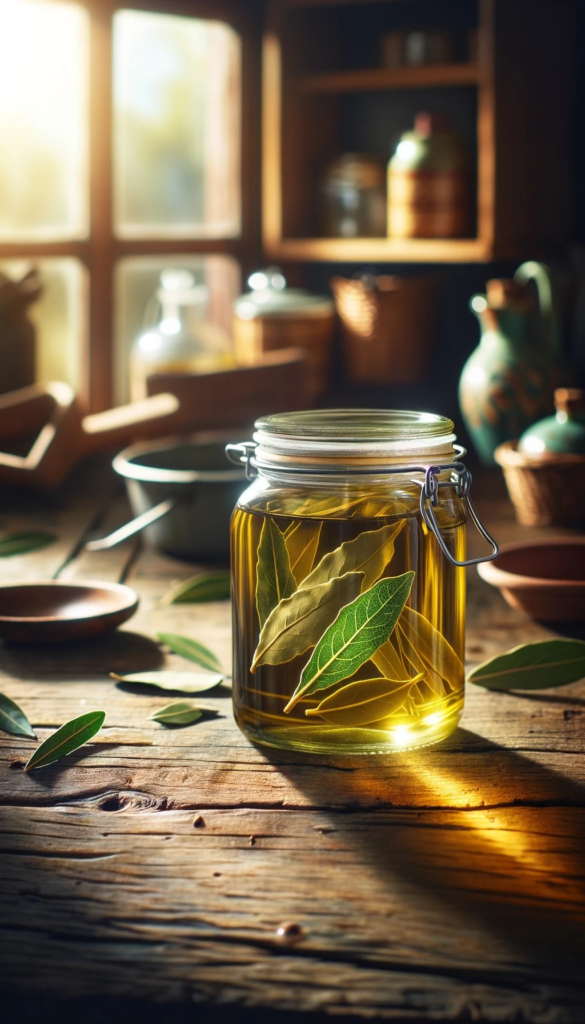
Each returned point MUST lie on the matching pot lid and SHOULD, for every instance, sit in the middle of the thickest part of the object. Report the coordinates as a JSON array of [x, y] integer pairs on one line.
[[269, 296]]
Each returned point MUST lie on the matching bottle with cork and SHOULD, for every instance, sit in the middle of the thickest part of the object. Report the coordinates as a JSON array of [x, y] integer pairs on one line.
[[429, 182]]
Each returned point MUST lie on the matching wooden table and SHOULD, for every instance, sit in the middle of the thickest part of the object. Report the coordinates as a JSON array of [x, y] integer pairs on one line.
[[158, 865]]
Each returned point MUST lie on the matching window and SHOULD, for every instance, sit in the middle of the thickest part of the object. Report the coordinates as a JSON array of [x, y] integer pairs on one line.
[[125, 157]]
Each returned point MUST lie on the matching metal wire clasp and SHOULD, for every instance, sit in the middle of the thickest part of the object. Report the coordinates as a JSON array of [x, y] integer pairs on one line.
[[429, 497], [242, 453]]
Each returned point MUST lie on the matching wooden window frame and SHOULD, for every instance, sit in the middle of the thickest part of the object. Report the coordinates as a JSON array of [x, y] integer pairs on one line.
[[102, 249]]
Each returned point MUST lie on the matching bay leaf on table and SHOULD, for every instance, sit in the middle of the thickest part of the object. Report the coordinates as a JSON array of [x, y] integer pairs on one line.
[[184, 682], [192, 650], [68, 738], [23, 543], [533, 666], [369, 553], [365, 701], [357, 633], [298, 621], [302, 541], [180, 712], [13, 719], [274, 579], [199, 589]]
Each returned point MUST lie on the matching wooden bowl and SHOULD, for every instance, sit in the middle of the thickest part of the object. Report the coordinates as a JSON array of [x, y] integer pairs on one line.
[[45, 612], [545, 579]]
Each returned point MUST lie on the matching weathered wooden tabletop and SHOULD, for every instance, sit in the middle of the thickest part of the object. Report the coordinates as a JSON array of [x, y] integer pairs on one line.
[[446, 884]]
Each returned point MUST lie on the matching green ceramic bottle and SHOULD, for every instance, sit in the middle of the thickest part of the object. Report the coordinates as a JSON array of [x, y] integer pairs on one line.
[[561, 434], [508, 381]]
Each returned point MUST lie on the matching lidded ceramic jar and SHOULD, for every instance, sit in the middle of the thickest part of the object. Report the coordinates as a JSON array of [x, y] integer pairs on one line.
[[348, 586]]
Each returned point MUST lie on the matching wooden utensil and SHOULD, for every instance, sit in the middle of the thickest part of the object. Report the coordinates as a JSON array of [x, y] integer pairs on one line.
[[178, 404], [51, 611]]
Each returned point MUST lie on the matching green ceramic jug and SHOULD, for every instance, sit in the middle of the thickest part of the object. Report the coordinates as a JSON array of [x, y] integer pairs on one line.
[[561, 434], [509, 380]]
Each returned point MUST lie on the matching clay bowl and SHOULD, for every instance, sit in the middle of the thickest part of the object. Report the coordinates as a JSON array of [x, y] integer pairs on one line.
[[45, 612], [545, 579]]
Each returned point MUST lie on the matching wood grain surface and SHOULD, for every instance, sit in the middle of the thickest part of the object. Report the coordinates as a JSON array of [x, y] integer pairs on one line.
[[159, 864]]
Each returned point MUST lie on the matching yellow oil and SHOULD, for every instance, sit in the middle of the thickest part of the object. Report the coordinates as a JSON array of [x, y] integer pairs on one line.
[[427, 641]]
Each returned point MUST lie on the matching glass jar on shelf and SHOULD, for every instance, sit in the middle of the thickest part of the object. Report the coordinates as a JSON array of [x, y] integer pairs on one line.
[[178, 337], [354, 197]]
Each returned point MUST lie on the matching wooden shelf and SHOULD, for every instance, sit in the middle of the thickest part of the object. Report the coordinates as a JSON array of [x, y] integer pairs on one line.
[[429, 75], [380, 250]]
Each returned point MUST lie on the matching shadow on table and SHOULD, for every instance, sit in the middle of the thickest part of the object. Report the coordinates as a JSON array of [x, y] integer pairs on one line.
[[512, 866], [97, 1010], [121, 651]]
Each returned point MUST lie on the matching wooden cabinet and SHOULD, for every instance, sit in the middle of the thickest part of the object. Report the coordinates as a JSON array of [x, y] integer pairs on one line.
[[324, 93]]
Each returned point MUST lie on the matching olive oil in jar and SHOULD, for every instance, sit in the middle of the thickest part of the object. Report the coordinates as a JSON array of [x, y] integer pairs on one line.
[[348, 582], [348, 632]]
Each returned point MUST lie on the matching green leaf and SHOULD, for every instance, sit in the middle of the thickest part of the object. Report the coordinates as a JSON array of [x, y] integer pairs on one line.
[[23, 543], [205, 586], [369, 553], [181, 712], [191, 649], [274, 579], [298, 621], [369, 700], [358, 631], [302, 541], [535, 666], [68, 738], [13, 718], [185, 682]]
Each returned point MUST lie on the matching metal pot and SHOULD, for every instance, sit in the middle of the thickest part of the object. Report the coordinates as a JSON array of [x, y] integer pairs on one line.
[[182, 493]]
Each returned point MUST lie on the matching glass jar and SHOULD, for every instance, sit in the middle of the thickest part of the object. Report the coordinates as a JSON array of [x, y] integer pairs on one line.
[[179, 337], [348, 586], [354, 197]]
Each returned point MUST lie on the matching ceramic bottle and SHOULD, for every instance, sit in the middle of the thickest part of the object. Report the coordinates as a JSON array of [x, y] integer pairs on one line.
[[508, 381]]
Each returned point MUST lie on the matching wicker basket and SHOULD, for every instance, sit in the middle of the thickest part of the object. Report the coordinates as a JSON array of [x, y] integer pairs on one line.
[[387, 329], [545, 492]]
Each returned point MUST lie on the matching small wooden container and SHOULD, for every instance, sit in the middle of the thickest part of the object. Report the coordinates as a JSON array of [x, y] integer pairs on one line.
[[545, 491], [387, 327], [272, 317]]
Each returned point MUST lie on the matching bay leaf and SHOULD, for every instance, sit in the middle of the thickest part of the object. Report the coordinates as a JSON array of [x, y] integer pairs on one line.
[[199, 589], [368, 700], [358, 631], [184, 682], [369, 553], [274, 579], [413, 658], [23, 543], [298, 621], [389, 663], [432, 646], [192, 650], [69, 737], [302, 541], [533, 666], [13, 718], [180, 712]]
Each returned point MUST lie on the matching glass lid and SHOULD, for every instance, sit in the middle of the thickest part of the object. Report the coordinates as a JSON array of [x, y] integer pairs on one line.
[[353, 433]]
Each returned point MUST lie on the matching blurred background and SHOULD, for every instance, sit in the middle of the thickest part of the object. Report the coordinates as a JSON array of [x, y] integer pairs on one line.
[[189, 186]]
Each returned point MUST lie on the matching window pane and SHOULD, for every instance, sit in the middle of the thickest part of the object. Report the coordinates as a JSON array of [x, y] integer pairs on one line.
[[137, 281], [43, 120], [176, 126], [59, 316]]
